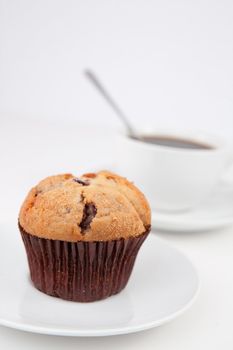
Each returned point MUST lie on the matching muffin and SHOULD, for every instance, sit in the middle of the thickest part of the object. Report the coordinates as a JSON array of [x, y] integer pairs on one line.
[[82, 234]]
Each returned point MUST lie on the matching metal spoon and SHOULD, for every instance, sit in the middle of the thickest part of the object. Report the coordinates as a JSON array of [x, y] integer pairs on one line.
[[96, 82]]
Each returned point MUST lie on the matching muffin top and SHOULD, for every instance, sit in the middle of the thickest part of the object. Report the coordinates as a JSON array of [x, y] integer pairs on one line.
[[93, 207]]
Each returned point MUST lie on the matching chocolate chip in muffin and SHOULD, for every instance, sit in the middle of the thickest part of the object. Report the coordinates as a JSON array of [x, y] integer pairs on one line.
[[81, 182], [89, 212], [38, 192]]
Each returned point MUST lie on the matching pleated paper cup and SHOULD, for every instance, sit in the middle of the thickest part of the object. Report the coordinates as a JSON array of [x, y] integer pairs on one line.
[[81, 271]]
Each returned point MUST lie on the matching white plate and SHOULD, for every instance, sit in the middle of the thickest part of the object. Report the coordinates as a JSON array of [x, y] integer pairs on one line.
[[163, 285], [214, 213]]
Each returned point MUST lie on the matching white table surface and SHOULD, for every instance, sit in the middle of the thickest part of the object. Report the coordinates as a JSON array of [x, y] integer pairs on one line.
[[29, 151]]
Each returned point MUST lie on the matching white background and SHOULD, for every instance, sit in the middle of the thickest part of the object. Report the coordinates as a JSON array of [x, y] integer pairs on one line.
[[169, 63]]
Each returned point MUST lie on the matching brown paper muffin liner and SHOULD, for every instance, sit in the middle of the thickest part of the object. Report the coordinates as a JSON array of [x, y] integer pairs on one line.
[[81, 271]]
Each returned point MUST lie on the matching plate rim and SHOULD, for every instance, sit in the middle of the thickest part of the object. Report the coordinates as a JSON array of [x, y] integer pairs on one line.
[[100, 333]]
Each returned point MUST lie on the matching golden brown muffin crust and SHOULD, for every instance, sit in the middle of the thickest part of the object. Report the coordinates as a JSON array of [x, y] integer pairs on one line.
[[94, 207]]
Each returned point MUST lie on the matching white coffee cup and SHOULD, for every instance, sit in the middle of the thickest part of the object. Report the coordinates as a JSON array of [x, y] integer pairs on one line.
[[173, 179]]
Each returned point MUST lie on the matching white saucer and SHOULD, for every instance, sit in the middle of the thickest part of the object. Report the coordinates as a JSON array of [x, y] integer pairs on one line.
[[163, 285], [215, 212]]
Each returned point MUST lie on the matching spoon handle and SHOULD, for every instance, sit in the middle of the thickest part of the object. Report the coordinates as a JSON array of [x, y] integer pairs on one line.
[[96, 82]]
